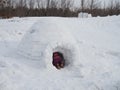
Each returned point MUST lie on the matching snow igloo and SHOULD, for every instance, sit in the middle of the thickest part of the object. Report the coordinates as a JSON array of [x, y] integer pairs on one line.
[[47, 36]]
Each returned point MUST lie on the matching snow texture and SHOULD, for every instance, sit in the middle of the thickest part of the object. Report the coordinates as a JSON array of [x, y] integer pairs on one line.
[[91, 47]]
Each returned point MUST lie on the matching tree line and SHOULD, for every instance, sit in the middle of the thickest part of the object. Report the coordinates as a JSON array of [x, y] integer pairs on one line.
[[64, 8]]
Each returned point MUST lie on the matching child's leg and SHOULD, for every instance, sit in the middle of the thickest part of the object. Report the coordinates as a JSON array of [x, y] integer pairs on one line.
[[62, 64], [58, 66]]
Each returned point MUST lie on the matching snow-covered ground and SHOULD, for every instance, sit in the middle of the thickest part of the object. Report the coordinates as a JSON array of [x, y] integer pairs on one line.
[[92, 44]]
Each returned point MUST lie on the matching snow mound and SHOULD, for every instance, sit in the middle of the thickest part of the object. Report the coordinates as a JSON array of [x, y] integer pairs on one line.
[[46, 37], [84, 15]]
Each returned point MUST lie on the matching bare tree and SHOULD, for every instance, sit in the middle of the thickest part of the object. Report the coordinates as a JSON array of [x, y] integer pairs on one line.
[[11, 3], [47, 3], [117, 7], [103, 9], [31, 4], [82, 5], [69, 3], [38, 4], [53, 4], [94, 4], [3, 3], [21, 8], [9, 8], [66, 4], [110, 7], [21, 4], [63, 4]]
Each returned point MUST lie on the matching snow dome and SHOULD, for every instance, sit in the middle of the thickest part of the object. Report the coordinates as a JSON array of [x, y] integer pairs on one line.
[[46, 37]]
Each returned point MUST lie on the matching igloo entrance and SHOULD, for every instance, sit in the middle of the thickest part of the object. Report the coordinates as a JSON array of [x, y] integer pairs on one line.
[[69, 52], [58, 60]]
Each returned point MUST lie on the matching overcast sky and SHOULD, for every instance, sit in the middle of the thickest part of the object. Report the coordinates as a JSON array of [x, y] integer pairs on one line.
[[98, 0], [77, 2]]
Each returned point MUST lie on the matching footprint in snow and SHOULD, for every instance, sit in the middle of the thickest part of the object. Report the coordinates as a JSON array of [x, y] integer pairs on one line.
[[3, 64], [114, 53]]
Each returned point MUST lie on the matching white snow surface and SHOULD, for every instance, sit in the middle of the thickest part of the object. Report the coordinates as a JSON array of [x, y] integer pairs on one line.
[[91, 47]]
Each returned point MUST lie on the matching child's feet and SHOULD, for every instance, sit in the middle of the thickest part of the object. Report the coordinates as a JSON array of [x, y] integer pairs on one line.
[[62, 65], [58, 66]]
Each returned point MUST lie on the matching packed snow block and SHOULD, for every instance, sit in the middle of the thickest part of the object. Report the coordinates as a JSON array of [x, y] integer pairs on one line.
[[46, 37], [84, 15]]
